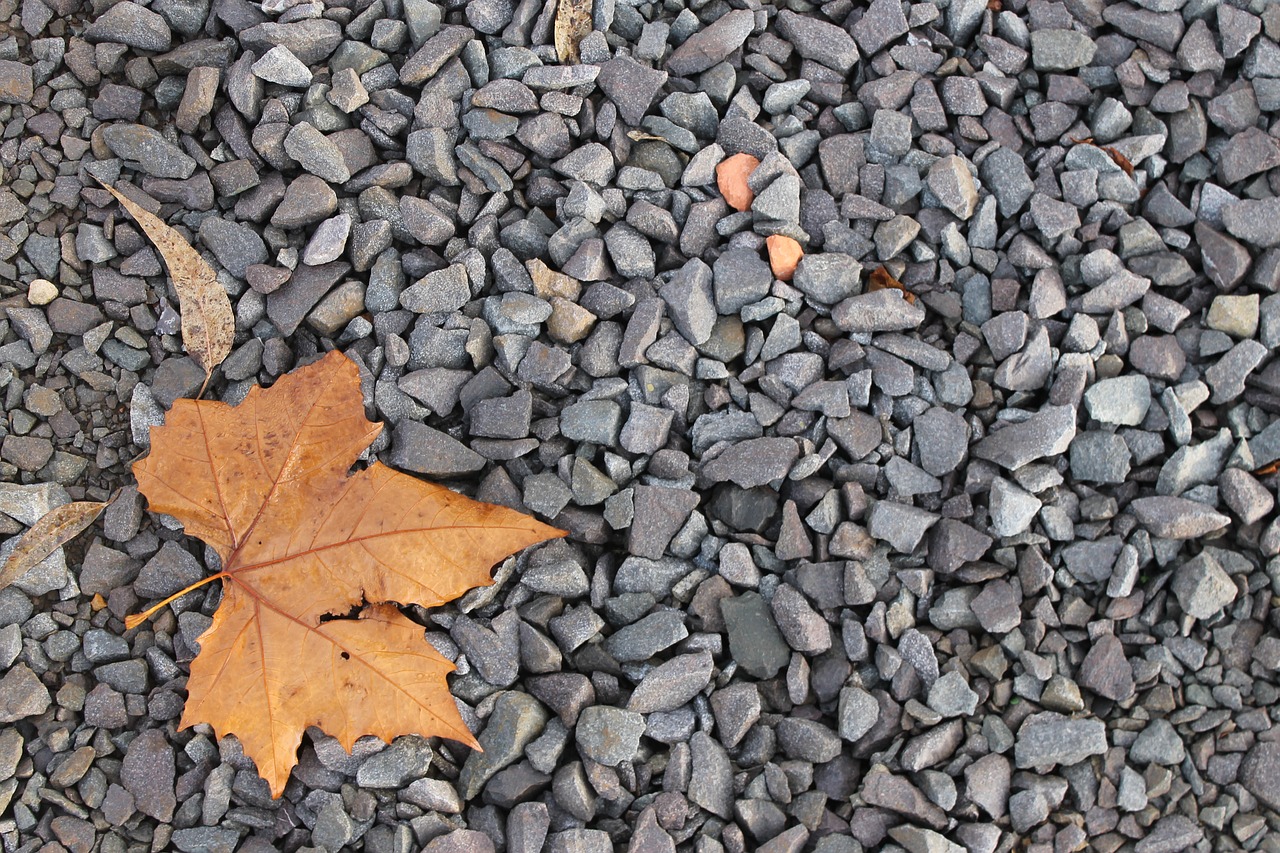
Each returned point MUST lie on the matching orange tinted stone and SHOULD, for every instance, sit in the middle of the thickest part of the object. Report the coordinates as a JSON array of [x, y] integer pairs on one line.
[[784, 254], [731, 176]]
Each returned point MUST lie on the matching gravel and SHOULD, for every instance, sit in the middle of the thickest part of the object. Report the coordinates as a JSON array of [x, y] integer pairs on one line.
[[986, 559]]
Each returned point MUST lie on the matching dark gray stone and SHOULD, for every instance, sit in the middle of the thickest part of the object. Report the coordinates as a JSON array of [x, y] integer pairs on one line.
[[754, 639]]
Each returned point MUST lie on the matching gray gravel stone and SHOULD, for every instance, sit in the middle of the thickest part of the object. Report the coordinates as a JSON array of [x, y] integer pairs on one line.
[[818, 40], [1048, 738], [417, 447], [754, 639], [736, 708], [1106, 671], [143, 148], [1123, 400], [132, 25], [711, 782], [1100, 457], [316, 153], [1158, 743], [1260, 773], [22, 694], [901, 525], [690, 303], [1202, 587], [807, 740], [1061, 50], [882, 24], [517, 719], [438, 292], [741, 278], [712, 44], [755, 462], [280, 66], [672, 684], [829, 277], [951, 181], [879, 311], [1004, 173], [236, 246], [609, 735], [16, 82], [148, 774], [645, 638], [631, 86], [1177, 518], [1046, 433]]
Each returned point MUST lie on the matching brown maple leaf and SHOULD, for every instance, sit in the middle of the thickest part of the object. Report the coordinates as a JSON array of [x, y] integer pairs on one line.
[[267, 485]]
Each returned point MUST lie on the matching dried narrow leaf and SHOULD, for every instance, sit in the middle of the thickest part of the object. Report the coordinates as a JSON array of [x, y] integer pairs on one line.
[[267, 484], [58, 527], [1119, 159], [641, 136], [208, 324], [881, 278], [573, 24], [1114, 153]]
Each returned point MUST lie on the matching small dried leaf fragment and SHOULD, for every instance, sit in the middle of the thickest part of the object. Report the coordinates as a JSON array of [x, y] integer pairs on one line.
[[208, 324], [1114, 153], [573, 24], [881, 279], [267, 484], [641, 136], [1120, 160], [58, 527], [784, 255], [731, 177]]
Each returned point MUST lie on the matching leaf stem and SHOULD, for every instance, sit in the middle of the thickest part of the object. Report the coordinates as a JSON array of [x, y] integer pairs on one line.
[[136, 619]]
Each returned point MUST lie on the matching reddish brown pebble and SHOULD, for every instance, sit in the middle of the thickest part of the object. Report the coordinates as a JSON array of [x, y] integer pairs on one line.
[[731, 176], [784, 254]]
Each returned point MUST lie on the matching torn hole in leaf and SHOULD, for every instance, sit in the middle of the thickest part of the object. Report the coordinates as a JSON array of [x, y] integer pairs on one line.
[[352, 613]]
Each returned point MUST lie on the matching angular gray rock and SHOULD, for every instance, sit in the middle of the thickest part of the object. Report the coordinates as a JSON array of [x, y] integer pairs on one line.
[[711, 45], [1049, 738], [1177, 518], [1202, 587], [1046, 433]]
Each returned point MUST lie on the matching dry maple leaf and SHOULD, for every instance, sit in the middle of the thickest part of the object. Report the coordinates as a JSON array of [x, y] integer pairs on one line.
[[208, 324], [573, 24], [267, 485]]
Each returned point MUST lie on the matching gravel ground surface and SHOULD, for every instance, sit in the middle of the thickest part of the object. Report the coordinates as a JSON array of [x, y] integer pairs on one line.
[[991, 568]]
